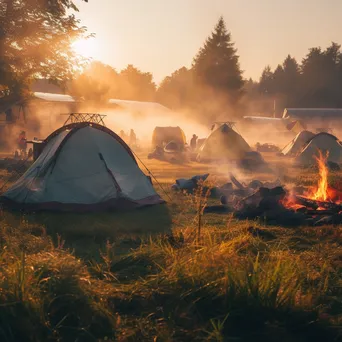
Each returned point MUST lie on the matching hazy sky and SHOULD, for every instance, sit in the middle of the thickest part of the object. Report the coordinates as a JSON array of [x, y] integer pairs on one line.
[[161, 36]]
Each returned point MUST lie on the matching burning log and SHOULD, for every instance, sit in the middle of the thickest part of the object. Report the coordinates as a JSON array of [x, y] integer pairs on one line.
[[315, 204]]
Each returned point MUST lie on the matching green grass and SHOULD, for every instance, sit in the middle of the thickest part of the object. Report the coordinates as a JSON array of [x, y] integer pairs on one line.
[[118, 277]]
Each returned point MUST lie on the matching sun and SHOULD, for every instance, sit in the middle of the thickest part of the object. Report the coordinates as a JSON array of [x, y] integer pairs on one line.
[[85, 47]]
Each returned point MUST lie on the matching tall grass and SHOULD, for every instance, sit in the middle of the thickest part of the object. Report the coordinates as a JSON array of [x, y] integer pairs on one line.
[[235, 281]]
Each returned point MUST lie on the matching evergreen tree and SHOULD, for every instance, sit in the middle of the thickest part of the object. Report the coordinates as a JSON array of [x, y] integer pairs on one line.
[[277, 80], [291, 75], [216, 65], [266, 81], [320, 86]]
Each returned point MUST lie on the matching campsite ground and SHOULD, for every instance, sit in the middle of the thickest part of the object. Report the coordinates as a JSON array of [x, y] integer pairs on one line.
[[100, 277]]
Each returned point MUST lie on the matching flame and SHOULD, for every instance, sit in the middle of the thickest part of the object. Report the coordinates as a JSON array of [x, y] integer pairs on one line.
[[322, 191]]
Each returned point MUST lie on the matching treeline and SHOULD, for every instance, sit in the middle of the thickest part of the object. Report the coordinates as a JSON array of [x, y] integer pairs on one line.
[[100, 82], [214, 88], [211, 87], [315, 82], [36, 38]]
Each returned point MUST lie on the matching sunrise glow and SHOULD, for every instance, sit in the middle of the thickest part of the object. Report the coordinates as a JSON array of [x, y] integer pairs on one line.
[[85, 47]]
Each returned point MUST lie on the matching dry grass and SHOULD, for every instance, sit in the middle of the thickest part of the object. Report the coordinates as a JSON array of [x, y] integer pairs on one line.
[[102, 277]]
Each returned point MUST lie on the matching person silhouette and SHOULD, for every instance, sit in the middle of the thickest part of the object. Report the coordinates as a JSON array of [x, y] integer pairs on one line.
[[193, 142]]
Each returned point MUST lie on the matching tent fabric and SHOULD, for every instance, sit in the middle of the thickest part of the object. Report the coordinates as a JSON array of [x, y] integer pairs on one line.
[[324, 142], [83, 167], [296, 126], [164, 135], [173, 147], [223, 143], [296, 145]]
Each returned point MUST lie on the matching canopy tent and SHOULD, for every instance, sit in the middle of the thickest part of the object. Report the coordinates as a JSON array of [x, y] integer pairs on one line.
[[83, 167], [296, 145], [163, 135], [324, 142], [223, 143]]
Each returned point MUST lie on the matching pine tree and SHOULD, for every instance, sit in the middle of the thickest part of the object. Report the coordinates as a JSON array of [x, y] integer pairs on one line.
[[266, 81], [217, 64]]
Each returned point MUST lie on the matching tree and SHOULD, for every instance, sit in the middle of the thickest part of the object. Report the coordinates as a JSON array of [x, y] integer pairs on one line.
[[136, 85], [266, 81], [97, 83], [175, 91], [320, 86], [35, 41], [216, 65]]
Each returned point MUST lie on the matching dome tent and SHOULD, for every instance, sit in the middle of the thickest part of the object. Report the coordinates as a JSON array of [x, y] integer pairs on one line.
[[163, 135], [223, 143], [297, 144], [83, 167], [323, 142]]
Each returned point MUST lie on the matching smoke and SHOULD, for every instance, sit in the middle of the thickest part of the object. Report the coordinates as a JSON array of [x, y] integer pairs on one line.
[[264, 133], [144, 123]]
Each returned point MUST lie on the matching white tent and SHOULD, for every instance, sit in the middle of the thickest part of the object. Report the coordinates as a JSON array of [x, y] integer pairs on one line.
[[297, 144], [83, 167], [324, 142]]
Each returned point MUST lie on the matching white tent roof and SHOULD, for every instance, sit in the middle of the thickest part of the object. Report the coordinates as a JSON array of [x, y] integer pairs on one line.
[[140, 106], [298, 143], [53, 97], [83, 167], [324, 142]]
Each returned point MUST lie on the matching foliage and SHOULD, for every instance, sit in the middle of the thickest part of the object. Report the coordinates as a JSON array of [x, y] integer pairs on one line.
[[214, 82], [216, 65], [99, 82], [176, 91], [35, 41], [317, 82]]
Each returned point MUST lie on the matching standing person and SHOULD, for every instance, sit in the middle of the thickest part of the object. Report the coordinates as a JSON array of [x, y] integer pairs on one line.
[[132, 138], [123, 135], [193, 142], [22, 144]]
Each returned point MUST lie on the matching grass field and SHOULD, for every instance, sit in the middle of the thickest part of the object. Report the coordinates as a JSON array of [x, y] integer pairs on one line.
[[118, 277]]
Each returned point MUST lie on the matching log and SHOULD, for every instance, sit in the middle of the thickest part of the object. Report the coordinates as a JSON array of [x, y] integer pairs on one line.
[[236, 182], [320, 212], [318, 204]]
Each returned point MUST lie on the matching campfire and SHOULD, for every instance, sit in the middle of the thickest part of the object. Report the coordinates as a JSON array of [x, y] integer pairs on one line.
[[322, 198], [321, 204]]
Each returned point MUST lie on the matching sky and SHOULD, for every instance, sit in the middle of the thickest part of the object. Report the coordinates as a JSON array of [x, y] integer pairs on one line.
[[161, 36]]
